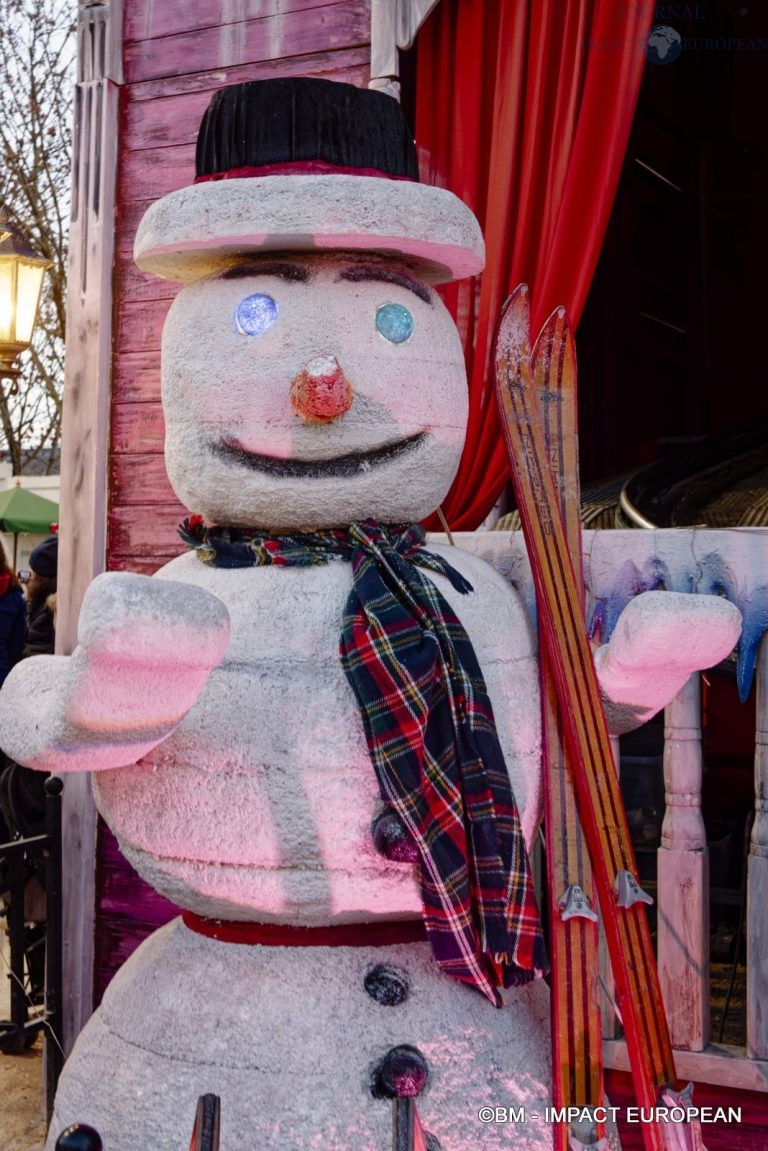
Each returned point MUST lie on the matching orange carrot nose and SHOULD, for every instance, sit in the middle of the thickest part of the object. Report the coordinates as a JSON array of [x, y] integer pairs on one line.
[[321, 392]]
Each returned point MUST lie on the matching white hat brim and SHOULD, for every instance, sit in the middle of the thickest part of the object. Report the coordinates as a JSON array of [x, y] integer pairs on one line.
[[197, 230]]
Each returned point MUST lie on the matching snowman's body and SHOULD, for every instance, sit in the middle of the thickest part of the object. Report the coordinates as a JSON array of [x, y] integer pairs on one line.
[[289, 1038], [260, 806]]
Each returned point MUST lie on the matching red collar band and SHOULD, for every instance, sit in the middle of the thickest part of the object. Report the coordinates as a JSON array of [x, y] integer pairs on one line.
[[299, 168], [380, 934]]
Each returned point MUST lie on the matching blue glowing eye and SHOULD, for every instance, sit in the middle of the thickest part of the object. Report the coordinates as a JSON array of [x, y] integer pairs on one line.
[[394, 322], [255, 315]]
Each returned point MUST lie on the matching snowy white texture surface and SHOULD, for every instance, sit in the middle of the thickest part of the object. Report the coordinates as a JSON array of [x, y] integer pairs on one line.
[[260, 804], [288, 1037], [659, 640], [223, 389], [145, 651], [195, 230]]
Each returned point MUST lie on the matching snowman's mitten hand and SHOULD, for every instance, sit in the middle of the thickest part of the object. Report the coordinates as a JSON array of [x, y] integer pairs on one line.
[[147, 647], [660, 639]]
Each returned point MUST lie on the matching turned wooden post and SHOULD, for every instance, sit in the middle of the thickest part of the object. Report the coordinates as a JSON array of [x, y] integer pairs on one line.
[[757, 878], [683, 876]]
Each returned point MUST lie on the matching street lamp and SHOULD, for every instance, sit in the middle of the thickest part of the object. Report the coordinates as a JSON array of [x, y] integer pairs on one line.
[[21, 278]]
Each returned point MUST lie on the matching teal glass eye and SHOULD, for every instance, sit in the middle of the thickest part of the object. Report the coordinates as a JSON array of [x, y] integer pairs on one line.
[[394, 323], [255, 315]]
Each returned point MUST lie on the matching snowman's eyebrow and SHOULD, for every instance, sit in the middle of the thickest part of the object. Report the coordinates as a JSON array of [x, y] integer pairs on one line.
[[294, 272], [357, 274]]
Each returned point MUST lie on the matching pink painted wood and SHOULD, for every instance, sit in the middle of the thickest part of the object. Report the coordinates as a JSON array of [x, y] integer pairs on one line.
[[140, 325], [137, 428], [146, 531], [311, 64], [271, 37], [137, 376], [170, 116], [129, 911], [131, 284], [165, 17], [141, 481]]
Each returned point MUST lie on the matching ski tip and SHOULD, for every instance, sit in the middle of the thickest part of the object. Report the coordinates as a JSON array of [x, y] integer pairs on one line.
[[516, 297], [513, 337], [517, 304], [557, 322], [555, 347]]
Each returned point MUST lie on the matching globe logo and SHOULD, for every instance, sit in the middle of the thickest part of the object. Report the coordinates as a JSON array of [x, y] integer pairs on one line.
[[664, 45]]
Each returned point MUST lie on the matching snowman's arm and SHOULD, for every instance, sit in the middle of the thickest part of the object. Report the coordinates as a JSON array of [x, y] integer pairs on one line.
[[146, 648], [660, 639]]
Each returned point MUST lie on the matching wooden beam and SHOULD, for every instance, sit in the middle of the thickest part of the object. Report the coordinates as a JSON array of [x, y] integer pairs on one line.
[[155, 18], [85, 440], [353, 60], [719, 1063], [341, 25]]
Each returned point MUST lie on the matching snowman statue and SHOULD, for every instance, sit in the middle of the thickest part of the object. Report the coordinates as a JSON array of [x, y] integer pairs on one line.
[[313, 732]]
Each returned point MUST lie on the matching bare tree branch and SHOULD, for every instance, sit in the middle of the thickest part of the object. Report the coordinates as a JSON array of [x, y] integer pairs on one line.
[[37, 51]]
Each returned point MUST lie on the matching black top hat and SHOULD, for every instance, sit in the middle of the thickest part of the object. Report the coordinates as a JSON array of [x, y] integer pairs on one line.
[[300, 120]]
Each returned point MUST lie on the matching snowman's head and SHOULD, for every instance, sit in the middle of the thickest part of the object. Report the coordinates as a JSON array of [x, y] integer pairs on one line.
[[311, 374], [311, 391]]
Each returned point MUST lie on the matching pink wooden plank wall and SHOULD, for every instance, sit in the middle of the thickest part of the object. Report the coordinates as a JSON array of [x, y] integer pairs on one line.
[[175, 55]]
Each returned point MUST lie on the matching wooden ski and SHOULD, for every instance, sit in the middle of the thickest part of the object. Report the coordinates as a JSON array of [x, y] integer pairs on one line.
[[561, 623], [407, 1131], [206, 1131], [577, 1065]]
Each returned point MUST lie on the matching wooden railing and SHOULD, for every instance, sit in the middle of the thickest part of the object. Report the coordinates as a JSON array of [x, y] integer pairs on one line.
[[618, 564]]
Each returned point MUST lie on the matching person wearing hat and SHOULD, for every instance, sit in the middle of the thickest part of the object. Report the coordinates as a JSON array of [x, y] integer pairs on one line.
[[12, 617], [22, 790], [43, 563]]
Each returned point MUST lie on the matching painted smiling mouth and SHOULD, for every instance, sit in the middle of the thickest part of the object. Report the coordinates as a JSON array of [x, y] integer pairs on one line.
[[351, 464]]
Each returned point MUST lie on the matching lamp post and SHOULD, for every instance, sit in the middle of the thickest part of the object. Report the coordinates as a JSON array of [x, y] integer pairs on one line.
[[21, 279]]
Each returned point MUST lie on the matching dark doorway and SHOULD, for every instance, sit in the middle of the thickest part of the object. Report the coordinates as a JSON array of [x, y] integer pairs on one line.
[[670, 343]]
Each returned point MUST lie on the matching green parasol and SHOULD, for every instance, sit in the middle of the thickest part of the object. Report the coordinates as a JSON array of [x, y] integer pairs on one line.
[[23, 511]]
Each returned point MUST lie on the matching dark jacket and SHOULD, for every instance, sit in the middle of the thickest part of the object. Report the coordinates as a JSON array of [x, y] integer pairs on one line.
[[13, 620], [40, 634]]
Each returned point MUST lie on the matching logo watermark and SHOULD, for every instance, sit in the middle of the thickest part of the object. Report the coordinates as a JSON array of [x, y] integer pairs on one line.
[[661, 12], [607, 1114], [664, 44]]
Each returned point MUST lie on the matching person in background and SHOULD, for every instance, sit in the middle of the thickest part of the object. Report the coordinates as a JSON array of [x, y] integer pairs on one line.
[[43, 563], [22, 791], [13, 617]]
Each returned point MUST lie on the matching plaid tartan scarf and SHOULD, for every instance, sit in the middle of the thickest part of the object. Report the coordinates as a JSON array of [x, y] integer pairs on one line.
[[431, 737]]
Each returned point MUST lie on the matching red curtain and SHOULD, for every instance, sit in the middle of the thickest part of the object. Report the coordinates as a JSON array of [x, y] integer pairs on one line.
[[523, 109]]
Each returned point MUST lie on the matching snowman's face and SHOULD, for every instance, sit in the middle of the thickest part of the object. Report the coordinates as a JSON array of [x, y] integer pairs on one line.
[[311, 391]]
